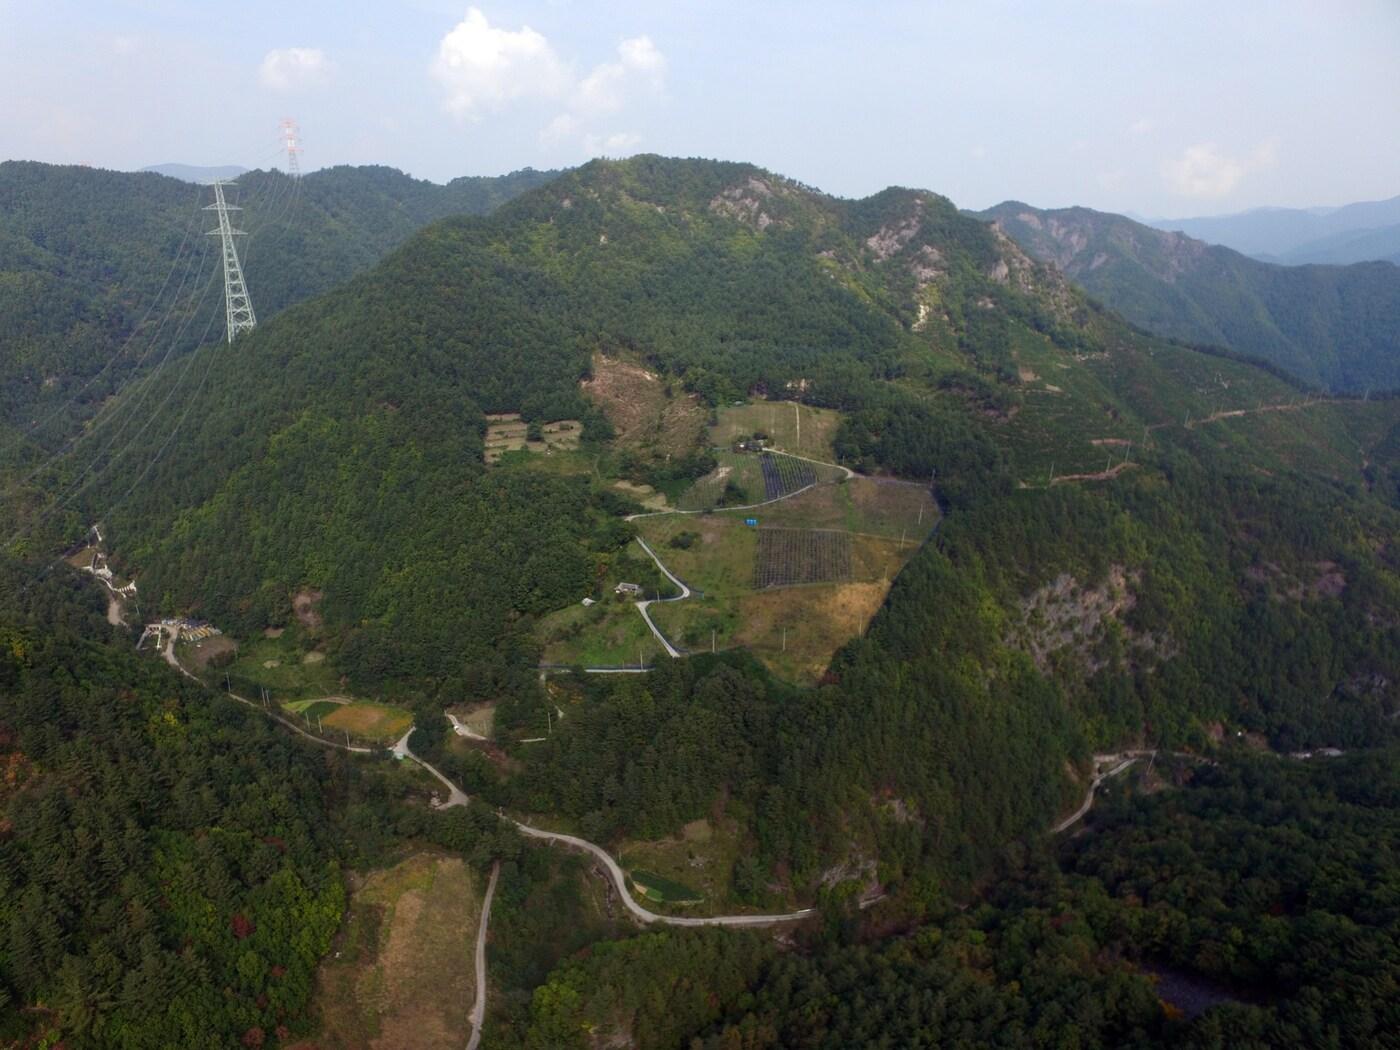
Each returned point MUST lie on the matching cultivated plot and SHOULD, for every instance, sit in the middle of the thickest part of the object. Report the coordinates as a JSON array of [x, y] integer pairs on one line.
[[794, 556]]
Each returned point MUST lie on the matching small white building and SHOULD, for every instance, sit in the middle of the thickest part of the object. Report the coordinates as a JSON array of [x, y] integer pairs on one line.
[[628, 588]]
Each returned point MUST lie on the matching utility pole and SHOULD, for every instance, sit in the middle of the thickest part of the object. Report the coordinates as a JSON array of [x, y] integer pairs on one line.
[[291, 135], [238, 308], [712, 640]]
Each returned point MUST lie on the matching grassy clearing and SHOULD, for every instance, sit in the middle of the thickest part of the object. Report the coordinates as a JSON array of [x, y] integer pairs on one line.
[[738, 479], [698, 861], [400, 973], [781, 421], [661, 890], [795, 631], [280, 664], [608, 634], [364, 720]]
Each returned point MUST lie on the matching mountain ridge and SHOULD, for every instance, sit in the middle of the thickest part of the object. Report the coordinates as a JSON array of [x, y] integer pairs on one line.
[[1333, 326]]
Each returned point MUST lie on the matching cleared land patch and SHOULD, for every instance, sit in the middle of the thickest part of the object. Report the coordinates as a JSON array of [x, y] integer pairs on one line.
[[400, 974], [648, 412], [608, 634], [800, 429], [794, 556], [507, 432], [380, 723]]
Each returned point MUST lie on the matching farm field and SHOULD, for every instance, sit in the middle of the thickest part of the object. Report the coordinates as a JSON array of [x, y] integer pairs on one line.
[[400, 973], [781, 421], [792, 556], [366, 720], [507, 432]]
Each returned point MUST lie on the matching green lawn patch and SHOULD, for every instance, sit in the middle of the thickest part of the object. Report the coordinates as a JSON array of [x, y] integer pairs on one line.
[[661, 889]]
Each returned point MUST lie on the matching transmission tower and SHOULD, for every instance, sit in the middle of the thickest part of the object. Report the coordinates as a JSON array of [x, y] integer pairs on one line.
[[291, 142], [236, 302]]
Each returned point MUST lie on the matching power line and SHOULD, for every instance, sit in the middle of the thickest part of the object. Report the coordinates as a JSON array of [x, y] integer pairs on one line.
[[238, 307], [135, 331]]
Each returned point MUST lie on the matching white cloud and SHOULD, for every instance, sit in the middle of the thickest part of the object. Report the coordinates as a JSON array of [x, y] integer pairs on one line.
[[618, 144], [483, 67], [293, 67], [1203, 171], [1141, 126]]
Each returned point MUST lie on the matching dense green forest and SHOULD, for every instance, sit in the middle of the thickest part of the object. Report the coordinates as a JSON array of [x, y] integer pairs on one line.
[[1332, 326], [1252, 907], [171, 863]]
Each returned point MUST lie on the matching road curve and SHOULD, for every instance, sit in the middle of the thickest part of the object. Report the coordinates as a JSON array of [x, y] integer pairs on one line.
[[620, 881], [455, 795], [479, 1007], [642, 606], [1124, 760]]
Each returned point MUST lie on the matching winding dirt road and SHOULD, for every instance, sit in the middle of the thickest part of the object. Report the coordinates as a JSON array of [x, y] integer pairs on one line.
[[479, 1007]]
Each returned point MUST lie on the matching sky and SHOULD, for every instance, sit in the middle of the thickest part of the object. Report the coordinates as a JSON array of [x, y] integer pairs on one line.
[[1161, 108]]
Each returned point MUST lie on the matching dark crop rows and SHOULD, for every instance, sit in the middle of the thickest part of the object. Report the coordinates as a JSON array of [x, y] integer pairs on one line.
[[782, 475], [789, 556]]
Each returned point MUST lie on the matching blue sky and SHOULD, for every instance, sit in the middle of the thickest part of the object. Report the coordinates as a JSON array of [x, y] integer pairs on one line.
[[1160, 107]]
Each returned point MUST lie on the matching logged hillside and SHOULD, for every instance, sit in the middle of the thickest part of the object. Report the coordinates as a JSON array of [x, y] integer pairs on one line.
[[1140, 543], [1337, 327], [103, 273]]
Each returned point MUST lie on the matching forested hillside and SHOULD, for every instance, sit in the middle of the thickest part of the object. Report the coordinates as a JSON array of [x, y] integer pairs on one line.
[[1249, 905], [1337, 327], [1141, 542], [103, 273]]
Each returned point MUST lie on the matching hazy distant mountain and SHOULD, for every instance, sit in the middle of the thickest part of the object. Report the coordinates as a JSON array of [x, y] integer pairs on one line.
[[1338, 326], [1347, 247], [198, 173], [1300, 235]]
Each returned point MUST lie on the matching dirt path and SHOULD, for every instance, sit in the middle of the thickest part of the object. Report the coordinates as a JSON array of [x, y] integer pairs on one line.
[[479, 1007]]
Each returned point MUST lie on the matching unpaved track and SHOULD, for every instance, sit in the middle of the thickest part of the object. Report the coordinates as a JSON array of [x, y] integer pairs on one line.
[[479, 1007]]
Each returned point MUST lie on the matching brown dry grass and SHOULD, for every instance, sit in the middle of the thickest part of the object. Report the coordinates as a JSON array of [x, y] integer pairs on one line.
[[201, 652], [819, 620], [400, 975], [378, 722], [635, 402]]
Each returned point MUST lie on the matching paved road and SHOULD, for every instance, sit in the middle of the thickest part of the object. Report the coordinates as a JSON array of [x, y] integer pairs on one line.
[[455, 795], [642, 606], [620, 881], [479, 1007]]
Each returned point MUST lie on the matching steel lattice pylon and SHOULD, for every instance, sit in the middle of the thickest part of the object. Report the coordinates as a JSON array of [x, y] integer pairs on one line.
[[236, 302]]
